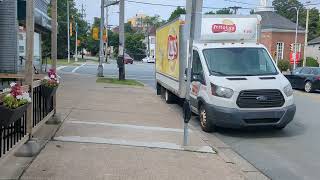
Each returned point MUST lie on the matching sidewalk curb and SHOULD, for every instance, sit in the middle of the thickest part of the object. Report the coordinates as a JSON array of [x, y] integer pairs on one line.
[[231, 157]]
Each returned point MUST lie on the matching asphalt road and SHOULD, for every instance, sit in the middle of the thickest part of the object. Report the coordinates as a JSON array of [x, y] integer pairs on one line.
[[290, 154]]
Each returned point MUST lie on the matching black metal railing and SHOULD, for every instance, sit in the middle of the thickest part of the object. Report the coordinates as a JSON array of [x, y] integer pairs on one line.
[[12, 134], [41, 106]]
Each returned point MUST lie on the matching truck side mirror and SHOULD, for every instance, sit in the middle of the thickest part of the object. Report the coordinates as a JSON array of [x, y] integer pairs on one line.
[[197, 77]]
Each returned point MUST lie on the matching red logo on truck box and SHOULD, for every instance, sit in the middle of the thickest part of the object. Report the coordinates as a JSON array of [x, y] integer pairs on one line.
[[226, 26]]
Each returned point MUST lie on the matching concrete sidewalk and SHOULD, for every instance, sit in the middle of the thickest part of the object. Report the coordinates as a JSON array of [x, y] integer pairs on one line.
[[121, 132]]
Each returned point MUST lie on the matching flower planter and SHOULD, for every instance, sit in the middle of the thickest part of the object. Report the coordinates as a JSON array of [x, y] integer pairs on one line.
[[9, 116], [48, 92]]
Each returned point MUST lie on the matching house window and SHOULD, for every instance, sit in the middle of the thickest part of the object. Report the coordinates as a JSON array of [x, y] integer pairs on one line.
[[20, 37], [21, 49], [280, 48], [297, 47]]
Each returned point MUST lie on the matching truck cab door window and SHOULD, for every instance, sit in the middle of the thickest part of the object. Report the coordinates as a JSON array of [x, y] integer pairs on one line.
[[197, 70]]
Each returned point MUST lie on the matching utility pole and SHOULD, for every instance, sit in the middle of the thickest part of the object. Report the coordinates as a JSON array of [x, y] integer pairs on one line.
[[193, 21], [148, 39], [121, 42], [107, 23], [76, 50], [306, 39], [68, 21], [101, 56], [295, 40], [29, 61], [54, 34], [235, 9]]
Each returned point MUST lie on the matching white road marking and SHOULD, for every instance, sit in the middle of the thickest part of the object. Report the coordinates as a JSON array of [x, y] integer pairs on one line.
[[129, 126], [75, 69], [161, 145], [60, 67]]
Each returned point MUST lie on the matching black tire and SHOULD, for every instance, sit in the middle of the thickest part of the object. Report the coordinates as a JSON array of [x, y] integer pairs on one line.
[[308, 87], [168, 97], [206, 122], [158, 89]]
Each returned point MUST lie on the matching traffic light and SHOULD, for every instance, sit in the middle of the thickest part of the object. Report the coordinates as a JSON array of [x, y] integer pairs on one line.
[[71, 29], [292, 47]]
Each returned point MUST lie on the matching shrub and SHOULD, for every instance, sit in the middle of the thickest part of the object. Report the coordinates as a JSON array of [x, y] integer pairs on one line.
[[311, 62], [283, 65]]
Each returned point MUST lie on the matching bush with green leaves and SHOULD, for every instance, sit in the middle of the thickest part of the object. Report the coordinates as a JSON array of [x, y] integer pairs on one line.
[[311, 62], [283, 65]]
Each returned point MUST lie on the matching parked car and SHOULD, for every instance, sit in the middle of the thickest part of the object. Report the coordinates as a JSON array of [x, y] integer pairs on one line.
[[148, 60], [127, 59], [306, 78]]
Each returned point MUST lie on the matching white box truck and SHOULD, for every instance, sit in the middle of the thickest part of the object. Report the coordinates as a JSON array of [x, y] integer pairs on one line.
[[234, 82]]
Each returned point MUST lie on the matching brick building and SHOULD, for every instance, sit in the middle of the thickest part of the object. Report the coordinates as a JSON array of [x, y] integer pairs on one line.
[[278, 34]]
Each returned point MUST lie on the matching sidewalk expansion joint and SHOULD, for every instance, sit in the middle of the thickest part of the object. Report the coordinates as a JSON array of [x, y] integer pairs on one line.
[[160, 145], [127, 126]]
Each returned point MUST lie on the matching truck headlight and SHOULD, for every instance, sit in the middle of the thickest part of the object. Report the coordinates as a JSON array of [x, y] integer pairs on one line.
[[221, 91], [288, 90]]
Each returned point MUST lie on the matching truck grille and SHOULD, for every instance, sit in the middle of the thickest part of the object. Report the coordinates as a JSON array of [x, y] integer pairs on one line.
[[264, 98]]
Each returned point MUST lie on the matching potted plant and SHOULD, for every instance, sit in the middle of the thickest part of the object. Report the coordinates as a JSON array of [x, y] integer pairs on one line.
[[50, 84], [14, 104]]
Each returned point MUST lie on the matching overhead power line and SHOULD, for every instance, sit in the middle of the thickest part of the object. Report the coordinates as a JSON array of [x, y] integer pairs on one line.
[[241, 2], [171, 5]]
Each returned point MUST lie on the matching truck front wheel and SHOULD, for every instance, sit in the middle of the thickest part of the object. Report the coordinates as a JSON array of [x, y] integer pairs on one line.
[[206, 122]]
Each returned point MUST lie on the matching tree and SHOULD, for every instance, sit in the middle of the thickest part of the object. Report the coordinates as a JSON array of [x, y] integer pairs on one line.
[[75, 16], [221, 11], [176, 13], [282, 7], [134, 45], [224, 11]]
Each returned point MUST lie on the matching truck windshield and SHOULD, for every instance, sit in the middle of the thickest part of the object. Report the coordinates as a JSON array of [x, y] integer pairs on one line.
[[239, 62]]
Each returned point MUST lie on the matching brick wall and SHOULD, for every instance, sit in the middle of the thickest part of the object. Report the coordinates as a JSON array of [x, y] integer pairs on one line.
[[270, 39]]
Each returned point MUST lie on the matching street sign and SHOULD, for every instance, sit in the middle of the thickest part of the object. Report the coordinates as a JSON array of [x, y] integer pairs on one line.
[[295, 55]]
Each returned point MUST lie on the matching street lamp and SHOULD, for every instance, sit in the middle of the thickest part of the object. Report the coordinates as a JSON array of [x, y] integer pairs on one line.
[[296, 36]]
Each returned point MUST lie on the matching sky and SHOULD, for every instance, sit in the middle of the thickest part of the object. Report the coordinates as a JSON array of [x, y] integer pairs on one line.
[[92, 7]]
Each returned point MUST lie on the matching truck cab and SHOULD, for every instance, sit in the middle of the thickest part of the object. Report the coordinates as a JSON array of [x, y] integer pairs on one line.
[[238, 85]]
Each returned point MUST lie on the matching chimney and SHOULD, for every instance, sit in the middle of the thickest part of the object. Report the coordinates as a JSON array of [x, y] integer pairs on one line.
[[264, 6]]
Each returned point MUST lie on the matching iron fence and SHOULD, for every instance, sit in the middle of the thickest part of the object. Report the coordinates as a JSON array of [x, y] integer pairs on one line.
[[12, 134]]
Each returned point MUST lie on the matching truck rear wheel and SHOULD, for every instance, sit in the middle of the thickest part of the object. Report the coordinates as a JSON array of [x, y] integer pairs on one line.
[[206, 121], [168, 96], [158, 89]]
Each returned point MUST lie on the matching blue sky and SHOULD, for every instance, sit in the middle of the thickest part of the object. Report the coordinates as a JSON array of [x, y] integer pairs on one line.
[[92, 7]]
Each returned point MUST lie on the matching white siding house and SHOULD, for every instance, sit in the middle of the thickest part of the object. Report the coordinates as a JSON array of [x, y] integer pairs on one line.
[[313, 49]]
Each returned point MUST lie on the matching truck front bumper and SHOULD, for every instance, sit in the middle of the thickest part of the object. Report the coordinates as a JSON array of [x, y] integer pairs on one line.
[[236, 118]]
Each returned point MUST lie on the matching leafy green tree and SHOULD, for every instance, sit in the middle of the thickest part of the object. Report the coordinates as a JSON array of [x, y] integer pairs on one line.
[[134, 45], [283, 8], [221, 11], [224, 11], [75, 16], [176, 13]]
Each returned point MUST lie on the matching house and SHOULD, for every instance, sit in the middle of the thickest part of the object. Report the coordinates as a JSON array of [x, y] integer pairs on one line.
[[152, 42], [313, 49], [278, 34], [12, 33], [137, 21]]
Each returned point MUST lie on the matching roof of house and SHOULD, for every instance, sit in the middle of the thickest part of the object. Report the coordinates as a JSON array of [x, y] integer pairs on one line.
[[314, 41], [272, 20]]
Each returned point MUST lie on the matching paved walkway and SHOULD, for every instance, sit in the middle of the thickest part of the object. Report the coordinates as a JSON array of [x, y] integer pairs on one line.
[[120, 132]]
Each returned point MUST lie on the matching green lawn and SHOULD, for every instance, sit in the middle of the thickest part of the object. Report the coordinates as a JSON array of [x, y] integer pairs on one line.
[[64, 62], [129, 82]]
